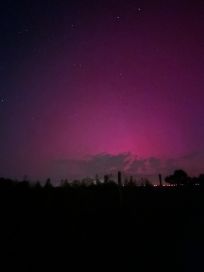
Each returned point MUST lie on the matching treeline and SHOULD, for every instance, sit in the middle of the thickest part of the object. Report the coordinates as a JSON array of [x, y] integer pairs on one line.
[[178, 178]]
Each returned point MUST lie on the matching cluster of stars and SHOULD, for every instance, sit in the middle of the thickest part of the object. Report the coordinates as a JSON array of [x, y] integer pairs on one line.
[[118, 17]]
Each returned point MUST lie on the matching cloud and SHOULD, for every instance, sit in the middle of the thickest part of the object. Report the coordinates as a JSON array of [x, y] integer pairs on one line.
[[106, 163], [98, 164]]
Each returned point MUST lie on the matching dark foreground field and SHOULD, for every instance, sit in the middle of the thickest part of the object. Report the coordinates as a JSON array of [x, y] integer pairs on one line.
[[102, 228]]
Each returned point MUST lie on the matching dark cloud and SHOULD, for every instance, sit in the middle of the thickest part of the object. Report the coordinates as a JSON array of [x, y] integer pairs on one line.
[[105, 163], [137, 166], [92, 165]]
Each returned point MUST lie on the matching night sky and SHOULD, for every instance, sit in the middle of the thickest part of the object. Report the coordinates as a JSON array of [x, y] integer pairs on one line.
[[91, 87]]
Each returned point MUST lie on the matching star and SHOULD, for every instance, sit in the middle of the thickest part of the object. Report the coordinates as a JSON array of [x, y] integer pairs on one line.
[[117, 18], [121, 75], [3, 100], [23, 31]]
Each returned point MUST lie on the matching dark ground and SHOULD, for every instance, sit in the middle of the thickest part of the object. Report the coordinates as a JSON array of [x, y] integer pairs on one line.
[[73, 229]]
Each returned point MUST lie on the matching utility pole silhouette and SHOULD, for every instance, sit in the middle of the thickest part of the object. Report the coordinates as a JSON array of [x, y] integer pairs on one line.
[[119, 178], [160, 180], [120, 189]]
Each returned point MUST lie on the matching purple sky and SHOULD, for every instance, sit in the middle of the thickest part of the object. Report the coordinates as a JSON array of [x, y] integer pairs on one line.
[[94, 86]]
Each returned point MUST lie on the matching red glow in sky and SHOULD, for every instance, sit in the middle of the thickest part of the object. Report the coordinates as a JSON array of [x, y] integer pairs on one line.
[[110, 77]]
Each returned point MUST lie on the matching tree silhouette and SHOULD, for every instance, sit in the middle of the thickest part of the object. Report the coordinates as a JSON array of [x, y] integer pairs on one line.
[[180, 177], [48, 184], [106, 179]]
